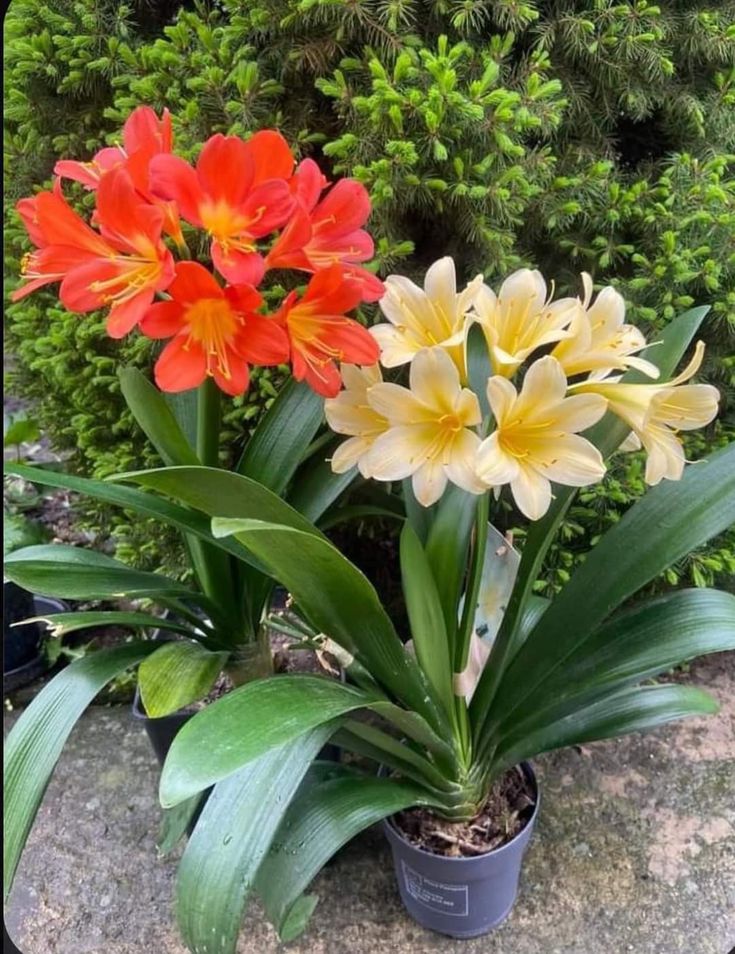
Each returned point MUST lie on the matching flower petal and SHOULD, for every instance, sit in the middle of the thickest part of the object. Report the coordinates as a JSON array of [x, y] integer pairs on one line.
[[531, 492], [576, 462], [685, 407], [125, 316], [394, 348], [434, 379], [163, 319], [180, 367], [349, 454], [308, 183], [171, 177], [579, 412], [344, 209], [245, 268], [525, 286], [493, 465], [545, 383], [399, 452], [665, 455], [269, 156], [429, 482], [397, 404], [238, 379], [440, 285], [192, 282], [461, 466], [501, 396], [225, 170], [263, 341]]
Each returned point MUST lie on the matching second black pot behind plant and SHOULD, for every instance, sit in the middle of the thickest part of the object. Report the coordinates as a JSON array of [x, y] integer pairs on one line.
[[23, 655]]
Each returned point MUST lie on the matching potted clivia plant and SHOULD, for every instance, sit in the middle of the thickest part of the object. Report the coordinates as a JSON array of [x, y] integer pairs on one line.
[[177, 252], [500, 390], [506, 394]]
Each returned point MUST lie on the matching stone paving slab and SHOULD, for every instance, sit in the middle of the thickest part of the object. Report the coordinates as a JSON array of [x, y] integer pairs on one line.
[[634, 852]]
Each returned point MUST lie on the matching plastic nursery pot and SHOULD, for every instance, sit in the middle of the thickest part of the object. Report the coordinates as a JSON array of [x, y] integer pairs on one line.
[[160, 731], [461, 897], [23, 656]]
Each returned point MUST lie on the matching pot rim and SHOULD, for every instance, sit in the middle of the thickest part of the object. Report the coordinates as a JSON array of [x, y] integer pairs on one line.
[[392, 828], [140, 713]]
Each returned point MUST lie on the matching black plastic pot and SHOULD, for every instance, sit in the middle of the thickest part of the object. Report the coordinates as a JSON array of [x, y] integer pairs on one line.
[[160, 731], [460, 897], [23, 656]]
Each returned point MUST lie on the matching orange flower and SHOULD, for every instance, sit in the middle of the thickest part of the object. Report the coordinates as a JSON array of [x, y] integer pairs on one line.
[[144, 136], [321, 233], [123, 265], [215, 332], [238, 193], [319, 332]]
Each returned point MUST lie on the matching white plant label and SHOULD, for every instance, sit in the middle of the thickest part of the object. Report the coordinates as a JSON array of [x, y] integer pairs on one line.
[[450, 899]]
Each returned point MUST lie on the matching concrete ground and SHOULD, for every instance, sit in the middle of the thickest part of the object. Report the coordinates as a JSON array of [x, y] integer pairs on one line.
[[634, 852]]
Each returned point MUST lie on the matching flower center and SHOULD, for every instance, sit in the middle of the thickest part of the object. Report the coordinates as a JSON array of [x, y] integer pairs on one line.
[[451, 423], [212, 324], [228, 226]]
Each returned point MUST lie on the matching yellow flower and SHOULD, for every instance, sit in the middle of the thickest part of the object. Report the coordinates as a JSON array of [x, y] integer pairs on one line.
[[349, 413], [600, 341], [429, 437], [520, 319], [535, 439], [655, 412], [436, 316]]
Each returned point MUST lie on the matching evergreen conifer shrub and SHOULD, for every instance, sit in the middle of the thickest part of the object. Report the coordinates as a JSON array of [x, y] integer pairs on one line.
[[568, 135]]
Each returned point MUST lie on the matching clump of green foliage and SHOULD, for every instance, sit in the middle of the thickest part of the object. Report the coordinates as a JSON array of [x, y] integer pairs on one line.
[[569, 135]]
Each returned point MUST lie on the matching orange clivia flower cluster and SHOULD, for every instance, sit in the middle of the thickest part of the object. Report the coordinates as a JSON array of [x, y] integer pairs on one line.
[[260, 212]]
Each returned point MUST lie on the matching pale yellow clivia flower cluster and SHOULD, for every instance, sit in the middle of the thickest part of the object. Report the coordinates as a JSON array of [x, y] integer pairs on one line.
[[432, 430]]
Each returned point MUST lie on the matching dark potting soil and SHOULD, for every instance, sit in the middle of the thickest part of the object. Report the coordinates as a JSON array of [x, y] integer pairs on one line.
[[378, 557], [506, 812]]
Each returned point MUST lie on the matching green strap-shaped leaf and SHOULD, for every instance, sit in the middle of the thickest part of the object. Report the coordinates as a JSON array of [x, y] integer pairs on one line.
[[479, 367], [246, 723], [634, 645], [338, 515], [183, 405], [220, 493], [320, 820], [668, 522], [232, 836], [63, 623], [420, 517], [340, 602], [176, 675], [154, 414], [607, 435], [75, 573], [447, 546], [631, 710], [139, 501], [317, 487], [280, 440], [35, 742], [426, 617], [156, 418], [386, 750], [175, 823]]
